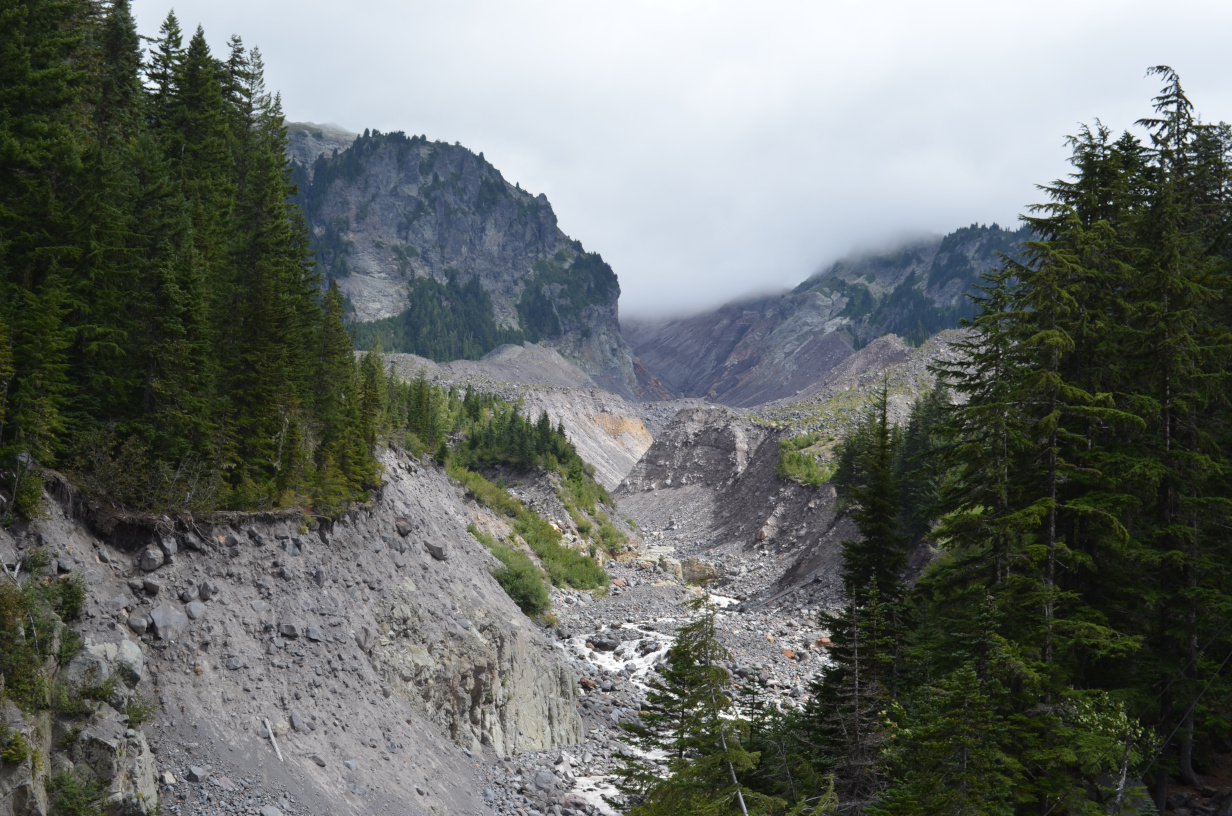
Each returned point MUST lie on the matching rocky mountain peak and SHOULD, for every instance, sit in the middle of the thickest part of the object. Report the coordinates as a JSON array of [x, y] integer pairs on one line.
[[439, 255]]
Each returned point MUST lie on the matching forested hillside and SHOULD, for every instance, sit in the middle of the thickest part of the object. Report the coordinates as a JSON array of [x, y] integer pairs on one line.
[[163, 333], [1067, 649]]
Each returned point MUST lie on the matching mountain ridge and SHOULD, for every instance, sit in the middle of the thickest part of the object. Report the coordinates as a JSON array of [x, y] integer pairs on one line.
[[757, 350], [438, 254]]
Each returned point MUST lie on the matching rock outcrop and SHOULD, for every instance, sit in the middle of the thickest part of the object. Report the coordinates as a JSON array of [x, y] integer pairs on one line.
[[759, 350], [391, 209]]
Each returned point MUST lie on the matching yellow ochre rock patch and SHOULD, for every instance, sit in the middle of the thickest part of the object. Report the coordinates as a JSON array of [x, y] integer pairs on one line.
[[628, 432]]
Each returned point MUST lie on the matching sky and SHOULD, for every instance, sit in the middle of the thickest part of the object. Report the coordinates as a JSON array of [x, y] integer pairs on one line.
[[710, 150]]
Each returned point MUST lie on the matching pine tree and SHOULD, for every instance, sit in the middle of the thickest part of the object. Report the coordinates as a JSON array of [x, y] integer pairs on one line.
[[879, 557], [41, 58], [685, 719]]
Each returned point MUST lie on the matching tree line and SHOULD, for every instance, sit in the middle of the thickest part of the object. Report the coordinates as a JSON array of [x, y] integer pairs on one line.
[[1066, 650], [163, 334]]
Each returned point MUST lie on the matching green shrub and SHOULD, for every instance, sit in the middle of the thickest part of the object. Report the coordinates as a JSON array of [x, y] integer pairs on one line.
[[98, 690], [73, 795], [17, 749], [139, 710], [484, 491], [70, 646], [517, 575], [27, 632], [67, 701], [565, 567], [522, 581], [610, 537], [69, 597]]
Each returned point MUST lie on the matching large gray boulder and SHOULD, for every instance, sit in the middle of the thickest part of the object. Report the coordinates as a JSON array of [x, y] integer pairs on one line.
[[168, 622], [97, 663], [151, 558]]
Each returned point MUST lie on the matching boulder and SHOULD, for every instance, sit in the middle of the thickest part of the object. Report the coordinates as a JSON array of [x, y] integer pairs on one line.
[[130, 662], [168, 545], [168, 622], [605, 644], [404, 526], [139, 623], [693, 569], [151, 558], [121, 760], [290, 631], [195, 610], [436, 549], [206, 590], [188, 595]]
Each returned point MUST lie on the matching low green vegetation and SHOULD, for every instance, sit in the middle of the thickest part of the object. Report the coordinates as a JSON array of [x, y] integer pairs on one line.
[[32, 615], [522, 581], [73, 794], [564, 565], [799, 461]]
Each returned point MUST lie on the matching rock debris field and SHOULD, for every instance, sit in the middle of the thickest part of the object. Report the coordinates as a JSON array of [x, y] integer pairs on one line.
[[374, 665]]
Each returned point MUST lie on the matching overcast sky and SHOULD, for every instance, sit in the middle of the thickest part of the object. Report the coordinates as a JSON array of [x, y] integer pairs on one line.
[[711, 149]]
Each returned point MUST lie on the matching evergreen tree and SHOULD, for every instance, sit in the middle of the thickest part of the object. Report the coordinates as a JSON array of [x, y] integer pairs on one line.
[[685, 719]]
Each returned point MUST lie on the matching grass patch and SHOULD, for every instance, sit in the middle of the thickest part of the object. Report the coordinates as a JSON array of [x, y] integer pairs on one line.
[[139, 710], [30, 616], [564, 566], [610, 537], [484, 491], [798, 464], [17, 749]]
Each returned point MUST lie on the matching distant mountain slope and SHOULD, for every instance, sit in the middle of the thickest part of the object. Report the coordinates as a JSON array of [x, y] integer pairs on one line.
[[307, 140], [755, 351], [440, 256]]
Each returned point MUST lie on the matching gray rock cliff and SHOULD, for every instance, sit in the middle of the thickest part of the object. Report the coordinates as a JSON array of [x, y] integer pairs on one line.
[[389, 210]]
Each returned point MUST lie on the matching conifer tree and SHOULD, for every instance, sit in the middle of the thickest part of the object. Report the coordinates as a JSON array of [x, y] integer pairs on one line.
[[685, 719]]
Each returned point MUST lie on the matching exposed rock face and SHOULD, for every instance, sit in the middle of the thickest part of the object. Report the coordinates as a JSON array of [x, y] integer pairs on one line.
[[374, 662], [308, 140], [481, 679], [755, 351], [707, 488], [390, 209], [745, 353]]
